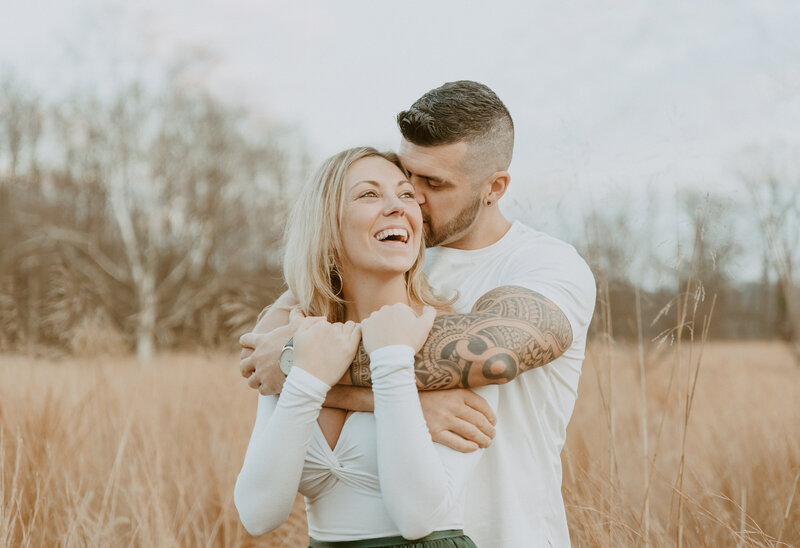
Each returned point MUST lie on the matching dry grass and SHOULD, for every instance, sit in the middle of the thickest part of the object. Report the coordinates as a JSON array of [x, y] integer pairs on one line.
[[101, 452], [742, 451], [105, 453]]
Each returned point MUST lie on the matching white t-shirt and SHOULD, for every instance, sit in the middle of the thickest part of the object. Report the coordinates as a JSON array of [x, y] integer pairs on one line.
[[514, 499]]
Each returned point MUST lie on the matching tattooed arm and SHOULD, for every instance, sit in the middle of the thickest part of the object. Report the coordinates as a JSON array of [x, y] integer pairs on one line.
[[510, 330]]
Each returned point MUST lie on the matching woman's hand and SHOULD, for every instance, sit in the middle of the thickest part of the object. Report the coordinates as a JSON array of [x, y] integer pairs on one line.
[[326, 349], [397, 324]]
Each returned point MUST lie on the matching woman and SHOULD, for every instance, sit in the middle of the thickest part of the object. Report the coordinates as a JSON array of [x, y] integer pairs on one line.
[[354, 262]]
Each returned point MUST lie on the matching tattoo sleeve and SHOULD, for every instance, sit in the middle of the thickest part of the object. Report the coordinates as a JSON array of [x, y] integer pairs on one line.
[[510, 330], [359, 369]]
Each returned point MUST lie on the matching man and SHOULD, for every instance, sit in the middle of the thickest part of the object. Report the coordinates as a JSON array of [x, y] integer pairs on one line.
[[527, 300]]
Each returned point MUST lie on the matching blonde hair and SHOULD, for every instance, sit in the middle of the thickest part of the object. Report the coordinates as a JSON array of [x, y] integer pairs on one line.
[[314, 248]]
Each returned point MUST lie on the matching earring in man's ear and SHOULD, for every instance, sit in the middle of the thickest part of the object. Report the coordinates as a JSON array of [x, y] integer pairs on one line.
[[488, 202]]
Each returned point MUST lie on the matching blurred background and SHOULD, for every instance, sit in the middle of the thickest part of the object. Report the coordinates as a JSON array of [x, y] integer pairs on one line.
[[149, 152]]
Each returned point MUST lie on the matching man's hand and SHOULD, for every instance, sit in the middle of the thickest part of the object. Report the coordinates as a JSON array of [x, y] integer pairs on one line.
[[260, 353], [458, 418]]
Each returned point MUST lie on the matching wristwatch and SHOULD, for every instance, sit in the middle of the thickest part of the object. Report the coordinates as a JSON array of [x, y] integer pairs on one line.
[[286, 359]]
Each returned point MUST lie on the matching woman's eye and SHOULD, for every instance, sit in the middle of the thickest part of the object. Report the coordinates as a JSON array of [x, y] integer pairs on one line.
[[368, 194], [407, 194]]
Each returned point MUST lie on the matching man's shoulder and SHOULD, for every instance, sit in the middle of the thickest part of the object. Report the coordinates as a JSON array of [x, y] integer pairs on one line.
[[554, 268], [523, 257], [542, 249]]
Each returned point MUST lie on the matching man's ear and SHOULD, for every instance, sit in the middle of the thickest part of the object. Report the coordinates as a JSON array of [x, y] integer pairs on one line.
[[498, 183]]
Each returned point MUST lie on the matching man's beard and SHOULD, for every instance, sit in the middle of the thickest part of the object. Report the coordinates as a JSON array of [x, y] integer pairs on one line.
[[455, 227]]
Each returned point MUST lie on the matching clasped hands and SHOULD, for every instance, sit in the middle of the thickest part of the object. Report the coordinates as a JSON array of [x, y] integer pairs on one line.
[[458, 418]]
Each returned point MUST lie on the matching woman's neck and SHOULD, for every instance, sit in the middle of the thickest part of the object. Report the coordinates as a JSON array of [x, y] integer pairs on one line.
[[366, 294]]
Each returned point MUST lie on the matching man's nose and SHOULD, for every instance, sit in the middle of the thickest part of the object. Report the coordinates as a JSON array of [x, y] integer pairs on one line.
[[418, 193]]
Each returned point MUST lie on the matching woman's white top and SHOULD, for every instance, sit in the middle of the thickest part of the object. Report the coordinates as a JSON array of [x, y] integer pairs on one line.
[[384, 477]]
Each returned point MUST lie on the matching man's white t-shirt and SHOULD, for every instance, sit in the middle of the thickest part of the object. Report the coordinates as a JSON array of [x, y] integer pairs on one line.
[[514, 499]]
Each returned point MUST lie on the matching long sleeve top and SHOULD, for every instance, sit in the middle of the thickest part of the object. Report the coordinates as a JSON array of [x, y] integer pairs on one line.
[[384, 477]]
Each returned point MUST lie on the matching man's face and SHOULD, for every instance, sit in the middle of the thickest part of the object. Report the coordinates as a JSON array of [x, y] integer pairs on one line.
[[450, 202]]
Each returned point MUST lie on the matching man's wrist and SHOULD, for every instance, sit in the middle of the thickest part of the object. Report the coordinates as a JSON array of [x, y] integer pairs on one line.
[[359, 369], [286, 357], [276, 307]]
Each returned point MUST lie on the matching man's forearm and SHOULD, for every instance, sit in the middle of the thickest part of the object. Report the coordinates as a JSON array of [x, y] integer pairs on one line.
[[351, 398], [275, 315], [510, 330], [359, 369]]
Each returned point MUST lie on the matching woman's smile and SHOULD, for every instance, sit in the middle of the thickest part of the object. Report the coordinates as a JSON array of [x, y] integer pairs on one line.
[[392, 235], [381, 222]]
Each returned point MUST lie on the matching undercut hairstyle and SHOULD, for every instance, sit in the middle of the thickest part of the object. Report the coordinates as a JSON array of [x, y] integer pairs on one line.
[[314, 248], [463, 111]]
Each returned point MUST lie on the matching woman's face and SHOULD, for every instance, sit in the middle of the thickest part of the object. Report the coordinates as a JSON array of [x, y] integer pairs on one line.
[[381, 221]]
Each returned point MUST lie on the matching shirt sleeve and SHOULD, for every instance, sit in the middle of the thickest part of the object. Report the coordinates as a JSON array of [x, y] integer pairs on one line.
[[421, 481], [562, 276], [268, 482]]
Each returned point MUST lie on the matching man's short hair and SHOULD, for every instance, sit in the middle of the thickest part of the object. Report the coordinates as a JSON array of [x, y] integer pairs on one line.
[[462, 111]]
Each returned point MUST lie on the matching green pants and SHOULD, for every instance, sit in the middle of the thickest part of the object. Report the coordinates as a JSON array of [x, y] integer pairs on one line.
[[454, 538]]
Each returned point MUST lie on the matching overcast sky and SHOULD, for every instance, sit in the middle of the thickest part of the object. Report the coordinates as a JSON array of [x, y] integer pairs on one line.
[[608, 97]]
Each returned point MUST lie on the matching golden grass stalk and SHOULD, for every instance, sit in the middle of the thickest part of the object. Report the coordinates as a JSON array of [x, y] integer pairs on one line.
[[788, 506], [102, 452], [645, 519]]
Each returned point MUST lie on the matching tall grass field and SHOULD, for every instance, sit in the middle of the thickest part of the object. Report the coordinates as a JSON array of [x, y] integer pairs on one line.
[[698, 446]]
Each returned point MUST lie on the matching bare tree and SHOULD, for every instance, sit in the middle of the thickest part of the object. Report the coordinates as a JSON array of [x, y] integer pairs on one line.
[[154, 210], [714, 251], [178, 175], [21, 120], [775, 193]]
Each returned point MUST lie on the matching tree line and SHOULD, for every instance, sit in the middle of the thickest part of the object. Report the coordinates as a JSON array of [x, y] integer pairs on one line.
[[149, 219]]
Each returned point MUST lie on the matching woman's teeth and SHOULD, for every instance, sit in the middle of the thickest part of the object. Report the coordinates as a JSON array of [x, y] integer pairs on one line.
[[396, 234]]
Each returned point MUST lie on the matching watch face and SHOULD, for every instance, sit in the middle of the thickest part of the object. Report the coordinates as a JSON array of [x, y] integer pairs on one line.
[[286, 359]]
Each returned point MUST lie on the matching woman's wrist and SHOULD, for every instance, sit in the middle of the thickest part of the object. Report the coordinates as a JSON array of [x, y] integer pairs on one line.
[[391, 352], [303, 382], [390, 365]]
